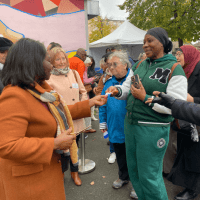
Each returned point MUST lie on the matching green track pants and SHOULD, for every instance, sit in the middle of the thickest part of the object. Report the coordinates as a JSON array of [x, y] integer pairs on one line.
[[145, 149]]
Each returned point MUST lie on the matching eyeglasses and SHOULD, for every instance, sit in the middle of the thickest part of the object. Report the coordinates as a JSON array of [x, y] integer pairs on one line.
[[114, 64], [178, 54]]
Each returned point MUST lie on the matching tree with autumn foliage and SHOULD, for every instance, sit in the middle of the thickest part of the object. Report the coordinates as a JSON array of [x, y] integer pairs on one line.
[[100, 28], [180, 18]]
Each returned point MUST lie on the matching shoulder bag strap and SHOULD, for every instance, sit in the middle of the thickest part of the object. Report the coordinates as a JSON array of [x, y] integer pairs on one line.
[[172, 70], [170, 75], [139, 64]]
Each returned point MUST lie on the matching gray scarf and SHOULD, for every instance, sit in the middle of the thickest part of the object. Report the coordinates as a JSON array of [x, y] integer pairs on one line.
[[58, 72]]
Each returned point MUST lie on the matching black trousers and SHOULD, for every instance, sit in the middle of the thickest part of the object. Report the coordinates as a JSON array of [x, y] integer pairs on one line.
[[72, 167], [120, 151]]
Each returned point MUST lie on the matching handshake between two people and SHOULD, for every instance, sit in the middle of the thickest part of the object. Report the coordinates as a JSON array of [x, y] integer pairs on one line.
[[65, 139]]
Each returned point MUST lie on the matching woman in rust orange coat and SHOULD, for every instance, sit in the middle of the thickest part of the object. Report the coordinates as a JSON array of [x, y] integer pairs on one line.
[[35, 124]]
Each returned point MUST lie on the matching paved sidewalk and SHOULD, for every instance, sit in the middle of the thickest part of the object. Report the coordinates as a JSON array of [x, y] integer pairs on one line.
[[103, 175]]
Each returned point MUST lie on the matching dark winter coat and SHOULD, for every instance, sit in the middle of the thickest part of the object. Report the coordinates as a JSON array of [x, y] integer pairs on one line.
[[186, 169], [192, 150]]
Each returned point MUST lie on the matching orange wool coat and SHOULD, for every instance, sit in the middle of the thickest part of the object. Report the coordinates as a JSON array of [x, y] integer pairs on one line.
[[29, 168], [77, 64]]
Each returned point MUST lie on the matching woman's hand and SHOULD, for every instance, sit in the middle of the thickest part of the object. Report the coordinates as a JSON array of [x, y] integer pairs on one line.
[[155, 93], [190, 98], [64, 140], [163, 99], [138, 93], [149, 100], [98, 100], [96, 78], [113, 90], [103, 130]]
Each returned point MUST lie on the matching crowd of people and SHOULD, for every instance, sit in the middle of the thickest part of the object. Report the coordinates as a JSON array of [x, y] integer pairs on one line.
[[47, 99]]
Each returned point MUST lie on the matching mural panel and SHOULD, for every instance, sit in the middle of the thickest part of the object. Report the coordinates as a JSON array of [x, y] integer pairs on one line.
[[44, 20]]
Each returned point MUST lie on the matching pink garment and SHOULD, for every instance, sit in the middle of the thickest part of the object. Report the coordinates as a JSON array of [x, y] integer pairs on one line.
[[68, 88], [85, 77]]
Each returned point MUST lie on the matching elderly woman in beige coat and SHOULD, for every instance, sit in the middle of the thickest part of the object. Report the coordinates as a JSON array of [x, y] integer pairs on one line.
[[68, 83]]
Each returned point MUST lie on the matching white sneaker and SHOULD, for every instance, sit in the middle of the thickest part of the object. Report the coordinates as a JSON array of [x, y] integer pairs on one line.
[[112, 158], [133, 194], [92, 114], [94, 118]]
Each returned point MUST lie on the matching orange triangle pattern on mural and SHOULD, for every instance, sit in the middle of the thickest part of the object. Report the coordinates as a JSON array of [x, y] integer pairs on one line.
[[67, 7], [48, 5], [40, 7], [14, 2], [57, 2], [33, 7], [78, 3], [5, 2]]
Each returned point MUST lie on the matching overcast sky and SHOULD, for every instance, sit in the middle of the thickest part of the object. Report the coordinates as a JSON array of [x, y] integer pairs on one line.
[[110, 9]]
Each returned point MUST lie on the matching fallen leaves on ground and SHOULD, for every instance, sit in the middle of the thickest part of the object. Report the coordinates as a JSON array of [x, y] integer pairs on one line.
[[92, 183]]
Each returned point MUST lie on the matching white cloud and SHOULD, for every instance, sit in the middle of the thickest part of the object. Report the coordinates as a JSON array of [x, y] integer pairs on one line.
[[109, 9]]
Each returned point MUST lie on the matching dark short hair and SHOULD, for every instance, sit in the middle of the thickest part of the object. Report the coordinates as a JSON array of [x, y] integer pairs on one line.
[[54, 44], [117, 48], [106, 56], [113, 48], [107, 50], [24, 64]]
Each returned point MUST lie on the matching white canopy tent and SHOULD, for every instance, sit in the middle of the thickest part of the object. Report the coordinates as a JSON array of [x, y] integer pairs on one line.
[[128, 36]]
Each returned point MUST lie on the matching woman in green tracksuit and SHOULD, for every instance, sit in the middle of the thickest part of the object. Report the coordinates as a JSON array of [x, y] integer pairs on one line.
[[147, 125]]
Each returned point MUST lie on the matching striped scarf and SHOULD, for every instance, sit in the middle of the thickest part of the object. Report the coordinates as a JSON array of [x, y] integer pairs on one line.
[[60, 112]]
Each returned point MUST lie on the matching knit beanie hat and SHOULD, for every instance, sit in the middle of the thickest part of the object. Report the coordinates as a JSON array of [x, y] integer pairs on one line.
[[161, 35]]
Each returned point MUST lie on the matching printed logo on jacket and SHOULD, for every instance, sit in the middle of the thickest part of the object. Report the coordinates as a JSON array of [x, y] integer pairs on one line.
[[161, 74]]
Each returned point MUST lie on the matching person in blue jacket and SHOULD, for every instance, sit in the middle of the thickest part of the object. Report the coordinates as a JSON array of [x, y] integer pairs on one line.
[[112, 114]]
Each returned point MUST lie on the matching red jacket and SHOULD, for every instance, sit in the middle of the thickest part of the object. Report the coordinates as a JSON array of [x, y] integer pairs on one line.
[[78, 65]]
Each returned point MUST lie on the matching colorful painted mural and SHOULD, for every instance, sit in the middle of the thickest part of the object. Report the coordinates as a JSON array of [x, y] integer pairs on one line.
[[61, 21]]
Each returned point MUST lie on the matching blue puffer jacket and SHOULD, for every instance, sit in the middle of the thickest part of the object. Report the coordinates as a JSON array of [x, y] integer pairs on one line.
[[112, 114]]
